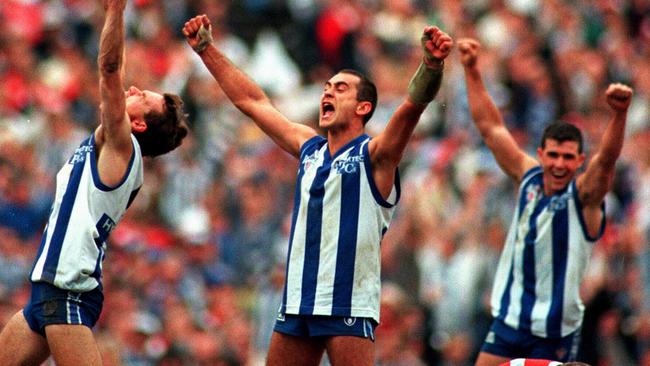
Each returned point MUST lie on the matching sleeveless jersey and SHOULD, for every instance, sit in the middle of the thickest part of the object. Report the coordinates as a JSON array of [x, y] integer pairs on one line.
[[537, 283], [83, 214], [339, 219]]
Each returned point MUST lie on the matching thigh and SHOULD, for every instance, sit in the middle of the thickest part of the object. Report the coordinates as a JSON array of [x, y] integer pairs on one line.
[[72, 345], [21, 345], [350, 350], [289, 350]]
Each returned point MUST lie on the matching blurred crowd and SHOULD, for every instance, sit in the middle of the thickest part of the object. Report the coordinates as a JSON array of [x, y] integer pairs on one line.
[[194, 272]]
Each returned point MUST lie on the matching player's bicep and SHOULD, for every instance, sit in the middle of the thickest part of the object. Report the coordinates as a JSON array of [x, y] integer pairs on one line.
[[290, 136], [594, 183], [510, 157]]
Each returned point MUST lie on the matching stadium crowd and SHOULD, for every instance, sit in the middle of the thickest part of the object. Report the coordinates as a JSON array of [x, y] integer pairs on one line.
[[194, 272]]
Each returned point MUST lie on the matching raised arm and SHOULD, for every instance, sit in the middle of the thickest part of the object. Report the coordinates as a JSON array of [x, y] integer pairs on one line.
[[113, 135], [510, 157], [387, 148], [247, 96], [597, 179]]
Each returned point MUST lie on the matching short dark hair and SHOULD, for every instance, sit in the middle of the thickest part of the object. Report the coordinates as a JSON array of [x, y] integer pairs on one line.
[[561, 131], [366, 91], [165, 131]]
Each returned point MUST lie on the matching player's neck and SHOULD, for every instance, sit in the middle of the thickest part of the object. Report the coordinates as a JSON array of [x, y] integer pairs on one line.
[[339, 137]]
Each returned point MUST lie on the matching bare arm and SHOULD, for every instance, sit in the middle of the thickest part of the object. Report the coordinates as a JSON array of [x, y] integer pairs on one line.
[[597, 179], [113, 137], [247, 96], [387, 148], [510, 157]]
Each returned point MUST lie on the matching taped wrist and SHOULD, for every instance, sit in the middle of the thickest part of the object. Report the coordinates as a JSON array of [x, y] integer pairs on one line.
[[205, 38], [424, 84]]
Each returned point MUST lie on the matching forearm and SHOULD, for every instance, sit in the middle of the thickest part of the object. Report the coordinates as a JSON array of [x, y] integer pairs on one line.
[[425, 83], [239, 88], [612, 140], [483, 110], [111, 44]]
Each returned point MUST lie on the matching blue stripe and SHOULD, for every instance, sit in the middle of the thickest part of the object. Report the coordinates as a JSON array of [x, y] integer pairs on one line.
[[528, 296], [132, 197], [54, 252], [560, 257], [307, 148], [312, 245], [373, 186], [347, 240]]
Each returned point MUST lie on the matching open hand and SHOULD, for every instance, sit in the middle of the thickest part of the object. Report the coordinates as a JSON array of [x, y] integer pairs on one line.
[[468, 48], [436, 45], [619, 96]]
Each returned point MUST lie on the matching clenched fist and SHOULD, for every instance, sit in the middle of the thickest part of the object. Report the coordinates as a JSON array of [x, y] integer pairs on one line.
[[436, 45], [619, 96], [198, 32], [468, 49]]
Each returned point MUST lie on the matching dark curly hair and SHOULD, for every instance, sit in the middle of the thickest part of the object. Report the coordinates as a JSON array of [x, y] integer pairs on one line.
[[165, 131]]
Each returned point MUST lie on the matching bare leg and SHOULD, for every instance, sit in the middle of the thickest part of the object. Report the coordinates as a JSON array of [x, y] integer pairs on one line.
[[349, 350], [21, 345], [286, 350], [72, 345], [488, 359]]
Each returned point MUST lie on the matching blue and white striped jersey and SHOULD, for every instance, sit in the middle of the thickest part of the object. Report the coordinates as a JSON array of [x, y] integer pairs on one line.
[[537, 283], [339, 219], [83, 214]]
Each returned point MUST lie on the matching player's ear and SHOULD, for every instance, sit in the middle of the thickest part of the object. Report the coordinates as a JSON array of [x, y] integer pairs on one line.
[[138, 125], [363, 108]]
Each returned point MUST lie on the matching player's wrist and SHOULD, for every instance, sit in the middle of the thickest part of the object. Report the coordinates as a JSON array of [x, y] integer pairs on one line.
[[205, 39], [433, 63], [424, 84]]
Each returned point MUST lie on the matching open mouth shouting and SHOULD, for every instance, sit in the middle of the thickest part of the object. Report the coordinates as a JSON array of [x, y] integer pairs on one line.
[[327, 109]]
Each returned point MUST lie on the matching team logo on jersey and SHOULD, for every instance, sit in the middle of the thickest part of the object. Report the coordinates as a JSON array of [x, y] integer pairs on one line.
[[560, 353], [349, 165], [349, 321], [104, 227], [532, 192], [79, 155], [308, 161], [559, 202]]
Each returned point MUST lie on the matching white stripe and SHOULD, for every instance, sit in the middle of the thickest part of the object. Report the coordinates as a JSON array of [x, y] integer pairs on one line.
[[329, 242], [518, 362], [67, 311], [296, 260], [365, 333], [366, 288], [543, 276]]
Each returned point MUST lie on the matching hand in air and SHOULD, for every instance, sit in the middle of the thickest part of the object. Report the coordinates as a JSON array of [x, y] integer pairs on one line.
[[619, 96], [198, 32], [436, 45], [468, 49]]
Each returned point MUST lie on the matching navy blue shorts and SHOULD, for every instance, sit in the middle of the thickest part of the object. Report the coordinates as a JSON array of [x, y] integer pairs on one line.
[[51, 305], [325, 326], [505, 341]]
